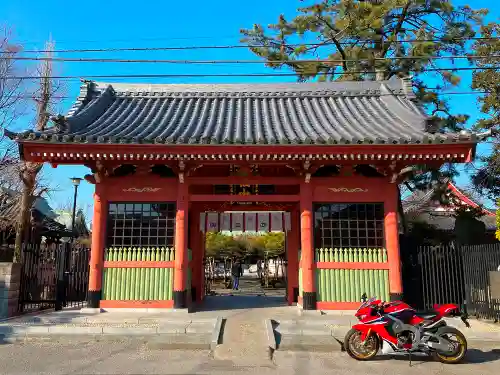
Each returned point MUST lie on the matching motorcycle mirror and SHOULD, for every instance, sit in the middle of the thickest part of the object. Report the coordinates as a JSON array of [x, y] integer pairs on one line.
[[363, 297]]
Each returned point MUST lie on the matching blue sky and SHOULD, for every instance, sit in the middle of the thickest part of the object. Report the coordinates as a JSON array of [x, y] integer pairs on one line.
[[101, 24]]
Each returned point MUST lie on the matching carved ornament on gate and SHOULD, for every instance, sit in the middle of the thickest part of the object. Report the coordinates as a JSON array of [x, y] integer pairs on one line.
[[348, 190], [142, 190]]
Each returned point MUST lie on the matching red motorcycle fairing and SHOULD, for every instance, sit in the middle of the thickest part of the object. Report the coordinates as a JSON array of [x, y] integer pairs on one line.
[[376, 327], [446, 309]]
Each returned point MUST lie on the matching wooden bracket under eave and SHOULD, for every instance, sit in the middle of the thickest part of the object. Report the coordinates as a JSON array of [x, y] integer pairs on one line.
[[393, 173], [90, 179], [100, 172], [182, 168], [143, 169], [306, 168], [193, 169], [397, 177]]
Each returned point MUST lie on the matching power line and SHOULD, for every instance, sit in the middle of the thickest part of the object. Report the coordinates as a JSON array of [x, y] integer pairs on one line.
[[151, 39], [233, 74], [236, 46], [207, 62]]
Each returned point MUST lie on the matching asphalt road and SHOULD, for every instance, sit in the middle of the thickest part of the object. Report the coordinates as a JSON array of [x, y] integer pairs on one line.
[[136, 356]]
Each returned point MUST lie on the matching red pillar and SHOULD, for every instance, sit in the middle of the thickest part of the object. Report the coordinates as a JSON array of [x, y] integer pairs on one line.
[[293, 245], [201, 236], [194, 240], [392, 243], [180, 244], [97, 250], [307, 248]]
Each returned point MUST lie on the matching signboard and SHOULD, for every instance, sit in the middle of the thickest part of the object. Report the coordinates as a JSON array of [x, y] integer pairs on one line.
[[263, 221], [245, 221], [237, 222]]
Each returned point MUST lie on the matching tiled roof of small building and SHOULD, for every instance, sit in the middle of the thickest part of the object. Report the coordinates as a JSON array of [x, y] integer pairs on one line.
[[288, 113], [10, 204], [422, 206]]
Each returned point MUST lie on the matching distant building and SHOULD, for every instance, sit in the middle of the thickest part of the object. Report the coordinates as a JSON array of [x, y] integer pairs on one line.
[[46, 224], [421, 206], [66, 217]]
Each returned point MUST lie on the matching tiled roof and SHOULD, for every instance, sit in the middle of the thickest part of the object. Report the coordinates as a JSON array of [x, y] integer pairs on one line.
[[289, 113], [446, 220], [10, 202], [421, 206]]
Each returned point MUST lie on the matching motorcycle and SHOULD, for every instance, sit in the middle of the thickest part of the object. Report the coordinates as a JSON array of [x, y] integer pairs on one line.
[[406, 330]]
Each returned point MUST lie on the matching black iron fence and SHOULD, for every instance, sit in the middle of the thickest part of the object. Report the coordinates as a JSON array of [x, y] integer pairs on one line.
[[451, 274], [479, 261], [54, 276]]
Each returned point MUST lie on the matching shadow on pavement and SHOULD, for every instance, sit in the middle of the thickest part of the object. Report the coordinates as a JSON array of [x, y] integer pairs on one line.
[[474, 356], [219, 303], [480, 356]]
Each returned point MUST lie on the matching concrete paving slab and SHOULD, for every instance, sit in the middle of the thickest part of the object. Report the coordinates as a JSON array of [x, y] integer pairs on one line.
[[197, 327], [71, 330], [179, 342], [126, 331], [172, 328], [326, 331], [340, 332], [308, 343], [23, 330]]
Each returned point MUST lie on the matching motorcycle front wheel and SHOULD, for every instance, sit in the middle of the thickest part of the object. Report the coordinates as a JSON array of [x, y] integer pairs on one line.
[[357, 349], [459, 343]]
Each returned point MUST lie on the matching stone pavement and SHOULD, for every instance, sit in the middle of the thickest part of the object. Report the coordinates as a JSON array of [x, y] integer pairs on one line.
[[233, 327], [249, 286], [138, 356], [244, 337], [174, 330]]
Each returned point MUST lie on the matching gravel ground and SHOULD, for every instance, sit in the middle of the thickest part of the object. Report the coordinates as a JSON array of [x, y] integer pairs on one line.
[[133, 356]]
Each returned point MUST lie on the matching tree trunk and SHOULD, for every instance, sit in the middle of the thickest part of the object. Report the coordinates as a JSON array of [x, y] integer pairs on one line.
[[29, 171], [23, 220]]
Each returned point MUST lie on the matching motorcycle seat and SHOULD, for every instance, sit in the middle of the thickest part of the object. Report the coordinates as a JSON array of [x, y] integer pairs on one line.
[[429, 314]]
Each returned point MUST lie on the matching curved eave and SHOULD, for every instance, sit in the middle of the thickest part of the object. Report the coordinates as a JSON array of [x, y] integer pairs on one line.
[[459, 152], [68, 139]]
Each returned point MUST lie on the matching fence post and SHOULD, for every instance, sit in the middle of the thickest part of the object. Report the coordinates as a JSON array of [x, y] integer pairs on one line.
[[466, 287], [61, 276]]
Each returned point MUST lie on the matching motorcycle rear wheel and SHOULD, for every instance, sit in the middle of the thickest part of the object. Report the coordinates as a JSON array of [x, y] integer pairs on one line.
[[460, 344], [358, 350]]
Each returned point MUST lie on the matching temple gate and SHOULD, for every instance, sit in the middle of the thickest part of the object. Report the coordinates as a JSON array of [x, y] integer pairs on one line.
[[330, 154]]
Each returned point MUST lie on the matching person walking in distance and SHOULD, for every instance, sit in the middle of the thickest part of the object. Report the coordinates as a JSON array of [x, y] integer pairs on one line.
[[259, 269], [236, 273]]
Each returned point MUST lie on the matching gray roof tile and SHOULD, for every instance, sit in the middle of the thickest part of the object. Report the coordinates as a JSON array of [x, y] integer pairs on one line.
[[289, 113]]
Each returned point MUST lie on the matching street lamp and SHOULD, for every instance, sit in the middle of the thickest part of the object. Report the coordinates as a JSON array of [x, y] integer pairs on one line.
[[76, 182]]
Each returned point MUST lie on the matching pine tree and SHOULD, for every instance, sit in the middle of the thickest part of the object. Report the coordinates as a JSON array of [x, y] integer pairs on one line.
[[376, 40], [486, 79]]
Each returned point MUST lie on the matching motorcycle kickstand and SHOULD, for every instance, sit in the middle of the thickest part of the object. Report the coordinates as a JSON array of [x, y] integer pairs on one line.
[[409, 357]]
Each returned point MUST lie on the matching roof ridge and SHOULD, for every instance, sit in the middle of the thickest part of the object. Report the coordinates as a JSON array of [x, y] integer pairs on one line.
[[397, 87]]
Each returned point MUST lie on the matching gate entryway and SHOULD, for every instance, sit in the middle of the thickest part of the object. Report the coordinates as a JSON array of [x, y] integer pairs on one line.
[[53, 276], [245, 235]]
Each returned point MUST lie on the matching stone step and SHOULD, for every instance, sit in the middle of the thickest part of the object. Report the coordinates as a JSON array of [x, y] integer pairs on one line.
[[244, 340], [168, 332], [107, 328]]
